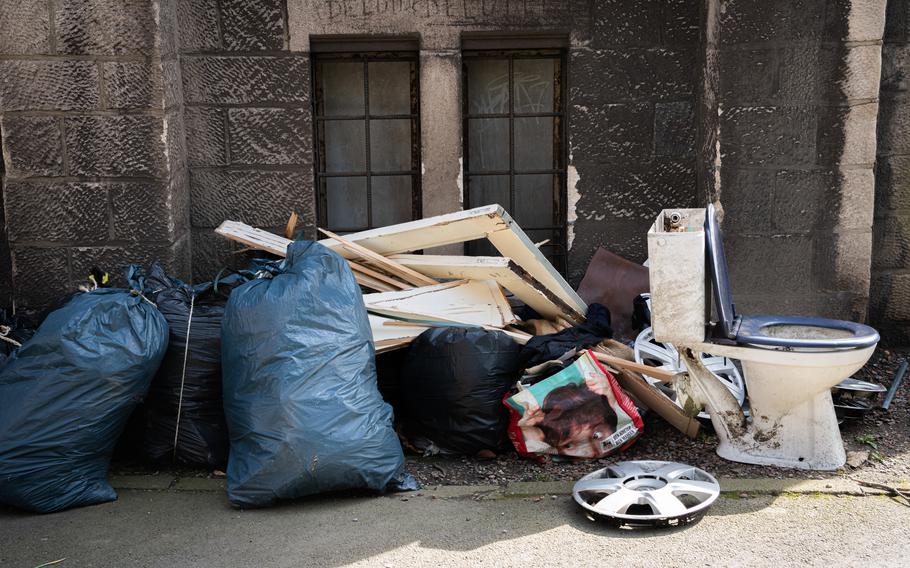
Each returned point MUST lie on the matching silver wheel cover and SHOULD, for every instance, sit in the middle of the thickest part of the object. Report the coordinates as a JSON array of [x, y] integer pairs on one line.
[[665, 356], [647, 493]]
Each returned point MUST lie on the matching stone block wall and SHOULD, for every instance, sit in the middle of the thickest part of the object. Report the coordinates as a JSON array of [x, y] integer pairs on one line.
[[889, 309], [631, 72], [631, 125], [132, 128], [93, 142], [791, 147], [248, 121]]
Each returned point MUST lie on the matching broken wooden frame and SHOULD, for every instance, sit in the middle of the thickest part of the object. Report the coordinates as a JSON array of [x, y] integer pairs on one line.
[[467, 302], [503, 270], [490, 222], [393, 268]]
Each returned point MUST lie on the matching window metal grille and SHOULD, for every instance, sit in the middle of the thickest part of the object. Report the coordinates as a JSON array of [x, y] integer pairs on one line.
[[514, 141], [367, 132]]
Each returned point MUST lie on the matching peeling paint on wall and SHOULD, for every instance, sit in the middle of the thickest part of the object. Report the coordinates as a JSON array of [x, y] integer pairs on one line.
[[459, 181], [572, 198], [717, 162]]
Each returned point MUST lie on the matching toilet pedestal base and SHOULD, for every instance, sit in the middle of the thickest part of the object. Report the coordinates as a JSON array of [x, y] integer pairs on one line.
[[805, 437]]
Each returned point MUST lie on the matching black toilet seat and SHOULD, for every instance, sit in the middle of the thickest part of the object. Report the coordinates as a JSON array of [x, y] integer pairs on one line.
[[755, 329]]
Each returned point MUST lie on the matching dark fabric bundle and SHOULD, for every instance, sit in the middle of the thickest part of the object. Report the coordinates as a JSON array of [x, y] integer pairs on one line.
[[300, 396], [453, 381], [66, 395], [544, 348]]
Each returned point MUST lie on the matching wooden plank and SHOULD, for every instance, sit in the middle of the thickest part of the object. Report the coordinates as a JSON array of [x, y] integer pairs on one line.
[[254, 238], [395, 284], [490, 221], [291, 226], [664, 376], [268, 242], [503, 270], [391, 344], [650, 396], [377, 259], [373, 284], [473, 302], [518, 336], [382, 331]]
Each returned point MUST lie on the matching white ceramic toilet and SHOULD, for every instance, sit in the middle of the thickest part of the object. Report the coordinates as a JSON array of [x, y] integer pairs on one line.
[[789, 363]]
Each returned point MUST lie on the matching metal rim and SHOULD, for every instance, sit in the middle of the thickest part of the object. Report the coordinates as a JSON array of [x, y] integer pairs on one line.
[[665, 356], [852, 385], [647, 493]]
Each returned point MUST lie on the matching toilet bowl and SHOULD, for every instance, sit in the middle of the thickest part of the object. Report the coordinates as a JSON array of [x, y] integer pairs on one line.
[[789, 363]]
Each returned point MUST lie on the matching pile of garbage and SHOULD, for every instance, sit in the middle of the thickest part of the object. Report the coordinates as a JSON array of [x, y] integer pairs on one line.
[[273, 370]]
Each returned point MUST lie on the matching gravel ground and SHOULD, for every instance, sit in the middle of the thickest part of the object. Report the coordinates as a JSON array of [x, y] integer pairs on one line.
[[890, 431], [889, 463]]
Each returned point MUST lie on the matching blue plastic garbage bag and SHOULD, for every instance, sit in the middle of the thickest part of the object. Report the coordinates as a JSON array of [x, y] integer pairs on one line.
[[67, 393], [303, 410]]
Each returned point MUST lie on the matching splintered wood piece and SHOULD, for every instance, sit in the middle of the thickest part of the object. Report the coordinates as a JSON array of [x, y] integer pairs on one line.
[[472, 302], [503, 270], [395, 284], [254, 238], [372, 284], [291, 226], [653, 398], [661, 374], [389, 266]]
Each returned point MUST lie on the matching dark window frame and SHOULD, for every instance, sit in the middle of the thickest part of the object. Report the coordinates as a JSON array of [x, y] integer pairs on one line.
[[559, 249], [319, 118]]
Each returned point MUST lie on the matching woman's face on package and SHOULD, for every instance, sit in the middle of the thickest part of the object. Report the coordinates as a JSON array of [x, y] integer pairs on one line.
[[587, 441]]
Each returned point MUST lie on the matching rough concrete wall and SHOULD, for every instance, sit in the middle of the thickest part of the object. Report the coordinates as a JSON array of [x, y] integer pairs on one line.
[[248, 121], [631, 124], [889, 307], [797, 102], [92, 141], [6, 268]]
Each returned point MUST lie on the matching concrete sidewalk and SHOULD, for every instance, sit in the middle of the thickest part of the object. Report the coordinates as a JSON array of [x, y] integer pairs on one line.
[[521, 525]]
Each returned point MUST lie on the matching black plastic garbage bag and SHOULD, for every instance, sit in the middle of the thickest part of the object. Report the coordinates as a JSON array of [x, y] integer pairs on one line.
[[184, 420], [67, 393], [453, 381], [300, 395]]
